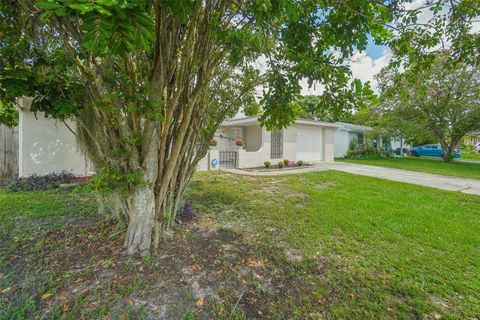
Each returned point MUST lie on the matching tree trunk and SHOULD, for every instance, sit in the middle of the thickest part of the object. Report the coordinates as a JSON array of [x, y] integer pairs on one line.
[[448, 151], [141, 212]]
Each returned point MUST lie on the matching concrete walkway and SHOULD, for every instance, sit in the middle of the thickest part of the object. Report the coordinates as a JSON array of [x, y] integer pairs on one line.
[[471, 186]]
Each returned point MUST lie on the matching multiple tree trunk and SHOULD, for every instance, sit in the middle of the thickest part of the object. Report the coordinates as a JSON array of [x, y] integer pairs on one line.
[[162, 152]]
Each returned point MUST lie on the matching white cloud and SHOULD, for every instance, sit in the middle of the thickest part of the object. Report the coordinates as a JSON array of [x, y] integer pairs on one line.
[[365, 67]]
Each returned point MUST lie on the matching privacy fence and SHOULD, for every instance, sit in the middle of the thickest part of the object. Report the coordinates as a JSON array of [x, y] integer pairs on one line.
[[8, 152]]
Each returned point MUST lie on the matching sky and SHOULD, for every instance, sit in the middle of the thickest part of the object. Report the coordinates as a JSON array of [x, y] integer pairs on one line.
[[366, 64]]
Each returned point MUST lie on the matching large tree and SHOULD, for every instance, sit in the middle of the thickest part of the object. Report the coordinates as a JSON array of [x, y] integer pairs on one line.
[[442, 97], [149, 81], [318, 107], [387, 123]]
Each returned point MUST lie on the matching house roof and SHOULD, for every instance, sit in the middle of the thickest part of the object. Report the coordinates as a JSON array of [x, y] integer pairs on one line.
[[473, 133], [247, 121], [353, 127]]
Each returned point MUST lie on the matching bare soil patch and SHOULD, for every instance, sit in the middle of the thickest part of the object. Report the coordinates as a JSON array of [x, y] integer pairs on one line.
[[202, 271]]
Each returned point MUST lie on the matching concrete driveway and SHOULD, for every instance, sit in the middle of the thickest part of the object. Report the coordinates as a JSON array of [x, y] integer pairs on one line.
[[471, 186]]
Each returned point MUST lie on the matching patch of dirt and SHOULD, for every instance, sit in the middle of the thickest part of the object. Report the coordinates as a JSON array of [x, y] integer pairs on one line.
[[325, 185], [202, 270]]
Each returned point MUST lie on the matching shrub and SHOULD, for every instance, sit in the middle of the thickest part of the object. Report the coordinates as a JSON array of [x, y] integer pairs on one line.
[[239, 142], [37, 182], [267, 164], [187, 213], [362, 151], [300, 163], [281, 164], [213, 143], [286, 161], [466, 148]]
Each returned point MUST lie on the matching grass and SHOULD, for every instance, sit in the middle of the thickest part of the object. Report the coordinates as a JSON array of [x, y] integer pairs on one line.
[[393, 250], [429, 165], [304, 246], [471, 155]]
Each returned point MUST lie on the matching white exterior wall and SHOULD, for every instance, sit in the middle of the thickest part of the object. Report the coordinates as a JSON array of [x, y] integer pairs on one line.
[[253, 138], [341, 143], [289, 143], [256, 158], [328, 144], [206, 163], [226, 136], [47, 145], [309, 143]]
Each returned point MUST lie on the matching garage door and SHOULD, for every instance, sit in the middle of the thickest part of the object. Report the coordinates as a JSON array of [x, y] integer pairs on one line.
[[309, 143]]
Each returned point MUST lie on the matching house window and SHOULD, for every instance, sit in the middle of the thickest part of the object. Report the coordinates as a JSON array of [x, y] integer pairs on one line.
[[276, 147], [360, 138]]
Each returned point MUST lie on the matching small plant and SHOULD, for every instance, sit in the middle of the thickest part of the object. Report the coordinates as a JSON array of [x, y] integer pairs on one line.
[[300, 163], [281, 164], [148, 260], [187, 213], [267, 164], [37, 182], [286, 161], [213, 143], [239, 142]]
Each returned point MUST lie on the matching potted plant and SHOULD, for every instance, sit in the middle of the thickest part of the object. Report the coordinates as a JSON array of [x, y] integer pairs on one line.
[[267, 164], [286, 161], [281, 164], [239, 142], [300, 163]]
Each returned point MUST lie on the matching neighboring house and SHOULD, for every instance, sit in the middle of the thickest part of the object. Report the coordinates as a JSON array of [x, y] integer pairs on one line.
[[306, 140], [47, 145], [471, 138], [347, 133]]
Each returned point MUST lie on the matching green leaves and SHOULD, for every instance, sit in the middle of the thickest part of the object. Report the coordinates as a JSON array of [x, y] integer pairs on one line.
[[109, 26], [8, 113], [440, 97], [431, 27]]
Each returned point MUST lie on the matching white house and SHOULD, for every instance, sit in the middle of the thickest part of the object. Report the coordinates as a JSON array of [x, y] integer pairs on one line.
[[47, 145], [306, 140]]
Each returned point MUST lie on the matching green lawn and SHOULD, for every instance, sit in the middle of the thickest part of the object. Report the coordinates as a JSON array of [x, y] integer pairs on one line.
[[392, 250], [302, 246], [472, 155], [430, 165]]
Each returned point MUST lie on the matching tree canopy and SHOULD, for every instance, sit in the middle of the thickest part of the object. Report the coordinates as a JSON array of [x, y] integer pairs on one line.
[[444, 99]]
